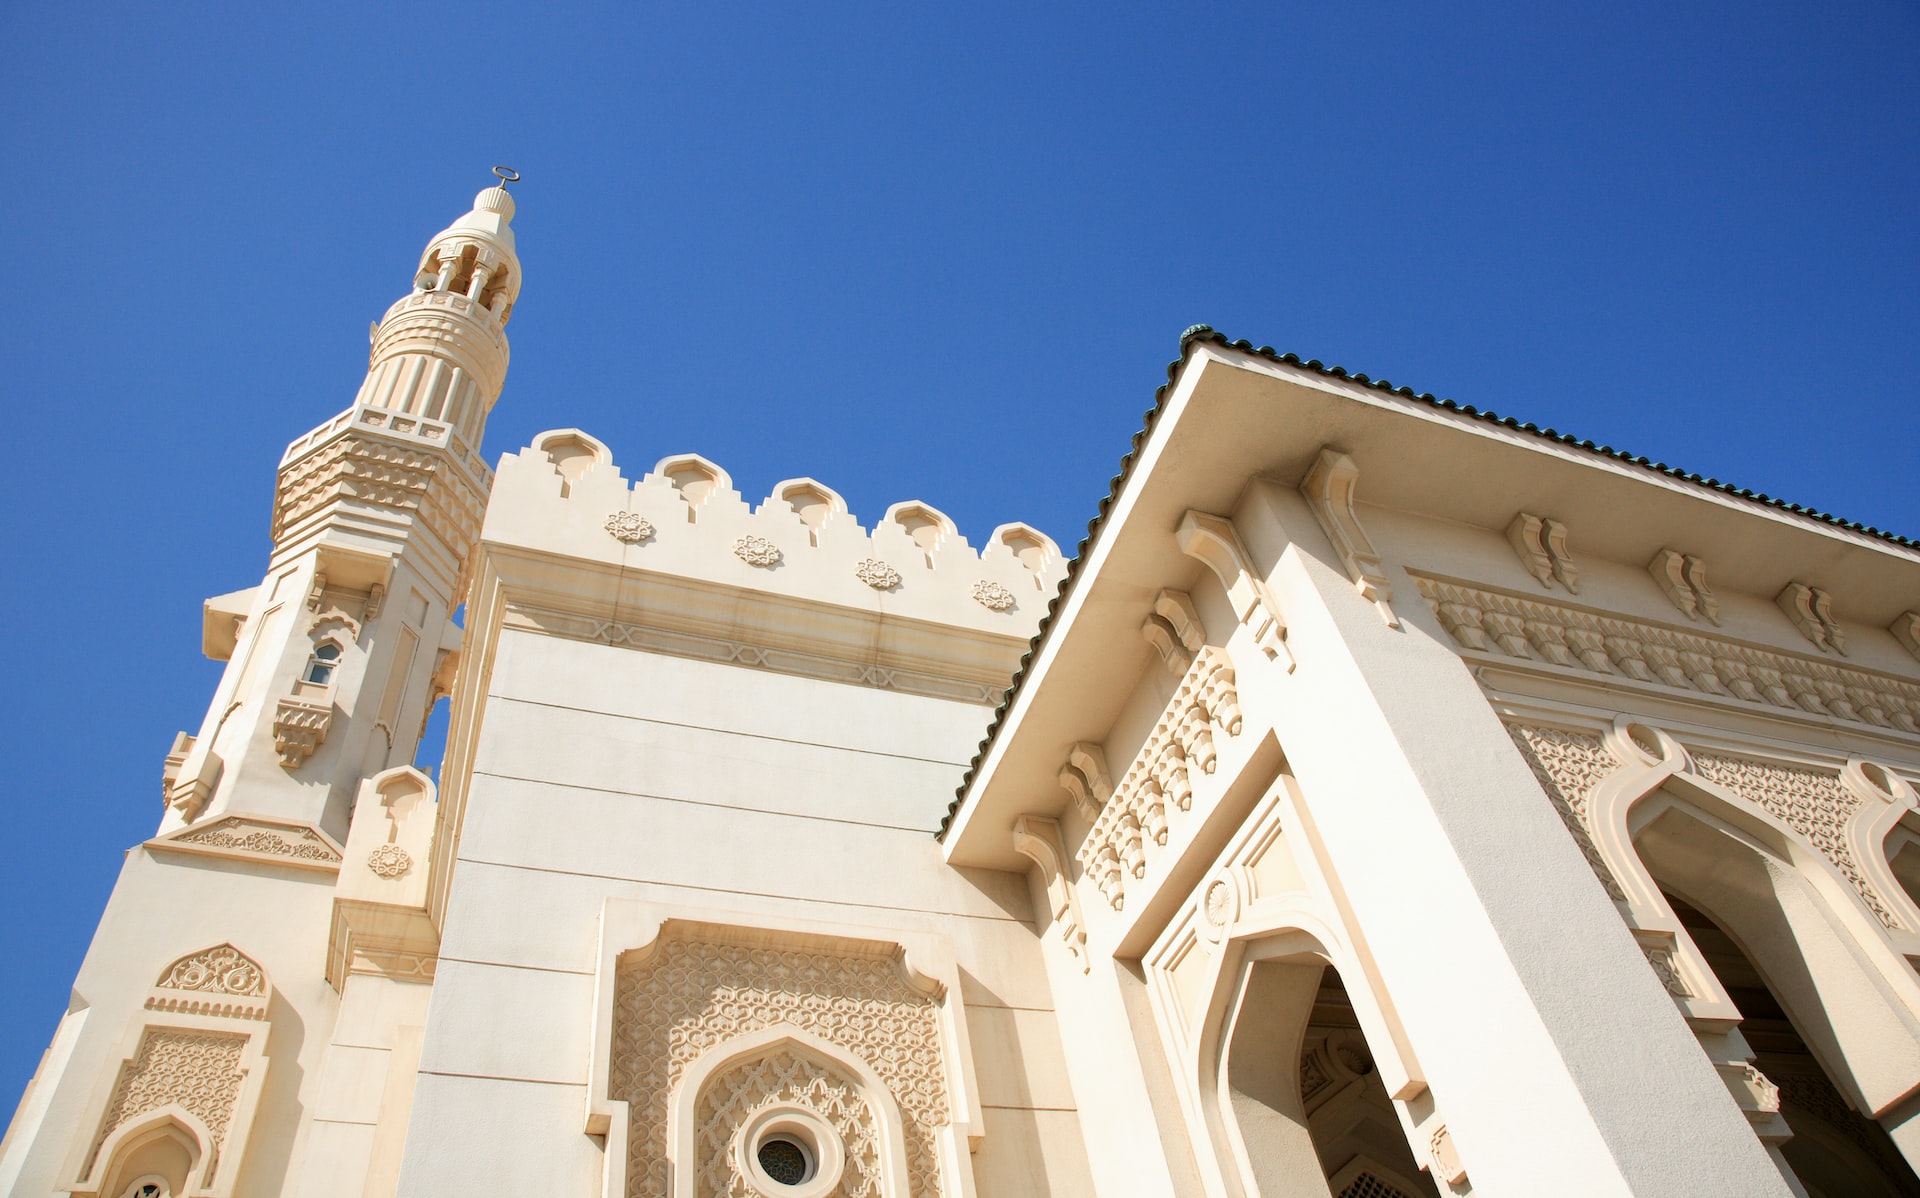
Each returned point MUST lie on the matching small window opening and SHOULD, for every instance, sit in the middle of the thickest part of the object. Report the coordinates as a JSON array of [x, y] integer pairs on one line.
[[320, 666], [785, 1162]]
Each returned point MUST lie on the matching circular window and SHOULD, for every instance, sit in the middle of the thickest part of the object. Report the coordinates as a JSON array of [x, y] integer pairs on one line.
[[789, 1151], [785, 1161]]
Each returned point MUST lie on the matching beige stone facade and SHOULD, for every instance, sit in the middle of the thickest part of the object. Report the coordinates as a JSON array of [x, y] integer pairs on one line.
[[1393, 802]]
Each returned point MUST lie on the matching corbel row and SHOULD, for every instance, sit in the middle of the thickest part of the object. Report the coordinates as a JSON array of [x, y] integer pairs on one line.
[[1134, 817], [1541, 545]]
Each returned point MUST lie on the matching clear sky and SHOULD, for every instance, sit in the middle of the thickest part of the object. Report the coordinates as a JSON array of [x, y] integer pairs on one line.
[[915, 251]]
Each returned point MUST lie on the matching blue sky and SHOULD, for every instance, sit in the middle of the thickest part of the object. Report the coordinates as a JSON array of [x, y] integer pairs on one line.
[[916, 252]]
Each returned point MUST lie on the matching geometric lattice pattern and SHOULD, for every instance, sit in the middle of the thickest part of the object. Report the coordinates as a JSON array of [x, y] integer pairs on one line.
[[734, 1097], [1568, 766], [1810, 802], [1366, 1185], [689, 996], [199, 1070]]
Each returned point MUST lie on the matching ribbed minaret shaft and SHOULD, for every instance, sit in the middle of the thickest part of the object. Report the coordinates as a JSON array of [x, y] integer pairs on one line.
[[440, 354]]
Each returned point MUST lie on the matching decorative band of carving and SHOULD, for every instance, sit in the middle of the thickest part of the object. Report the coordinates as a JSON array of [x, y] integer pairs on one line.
[[219, 1010], [1512, 626], [1157, 788]]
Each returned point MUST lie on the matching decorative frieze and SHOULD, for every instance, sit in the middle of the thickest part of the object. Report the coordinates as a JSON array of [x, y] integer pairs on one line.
[[1491, 621], [1157, 787], [252, 837], [1661, 953], [199, 1071], [1568, 765], [222, 969], [1811, 802], [1814, 803]]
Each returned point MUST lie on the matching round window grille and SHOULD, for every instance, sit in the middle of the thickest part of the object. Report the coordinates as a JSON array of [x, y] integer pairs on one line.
[[785, 1161], [789, 1151]]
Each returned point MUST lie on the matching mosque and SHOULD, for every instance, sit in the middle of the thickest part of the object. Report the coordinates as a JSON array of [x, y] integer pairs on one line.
[[1389, 800]]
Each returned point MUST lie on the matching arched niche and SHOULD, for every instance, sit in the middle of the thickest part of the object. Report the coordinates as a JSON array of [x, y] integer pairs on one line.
[[1663, 828], [572, 453], [812, 502], [169, 1146], [1834, 1149], [696, 478], [1859, 1019], [926, 526], [784, 1083], [1299, 1067], [1029, 546]]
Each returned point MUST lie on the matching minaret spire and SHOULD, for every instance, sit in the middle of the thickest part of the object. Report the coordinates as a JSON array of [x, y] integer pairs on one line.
[[337, 656], [441, 352]]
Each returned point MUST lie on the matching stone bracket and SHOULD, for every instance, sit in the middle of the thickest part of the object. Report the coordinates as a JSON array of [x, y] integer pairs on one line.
[[1213, 540], [1329, 488]]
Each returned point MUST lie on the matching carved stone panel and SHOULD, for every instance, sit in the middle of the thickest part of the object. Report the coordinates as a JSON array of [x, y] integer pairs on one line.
[[686, 996], [730, 1100], [198, 1070]]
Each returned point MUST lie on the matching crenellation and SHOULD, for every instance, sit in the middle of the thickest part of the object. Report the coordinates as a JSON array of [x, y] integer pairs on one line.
[[800, 541]]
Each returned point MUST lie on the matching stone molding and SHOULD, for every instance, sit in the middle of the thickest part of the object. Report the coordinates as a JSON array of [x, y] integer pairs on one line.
[[255, 838], [1156, 789], [1504, 626], [383, 459], [779, 659]]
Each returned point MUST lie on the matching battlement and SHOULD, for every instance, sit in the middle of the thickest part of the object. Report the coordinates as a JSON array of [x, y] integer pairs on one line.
[[685, 519]]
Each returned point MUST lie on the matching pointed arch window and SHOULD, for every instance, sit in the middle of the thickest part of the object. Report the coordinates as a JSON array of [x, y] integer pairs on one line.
[[321, 663]]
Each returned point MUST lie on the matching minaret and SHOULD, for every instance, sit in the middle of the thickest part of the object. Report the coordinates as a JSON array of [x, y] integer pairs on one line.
[[335, 659]]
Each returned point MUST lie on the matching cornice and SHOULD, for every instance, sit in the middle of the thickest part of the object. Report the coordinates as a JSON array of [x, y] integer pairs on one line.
[[749, 627]]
